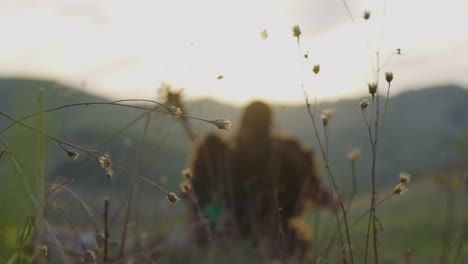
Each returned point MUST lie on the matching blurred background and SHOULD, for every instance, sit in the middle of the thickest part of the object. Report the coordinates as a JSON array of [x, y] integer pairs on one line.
[[216, 54]]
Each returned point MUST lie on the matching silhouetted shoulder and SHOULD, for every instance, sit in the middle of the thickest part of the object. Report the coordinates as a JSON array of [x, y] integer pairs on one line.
[[301, 156], [208, 164]]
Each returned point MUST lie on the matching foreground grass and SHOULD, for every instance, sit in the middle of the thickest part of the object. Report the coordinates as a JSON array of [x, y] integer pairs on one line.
[[414, 224]]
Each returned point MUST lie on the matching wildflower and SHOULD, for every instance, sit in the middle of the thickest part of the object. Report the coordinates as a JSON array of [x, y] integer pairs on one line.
[[222, 123], [264, 34], [389, 77], [187, 173], [327, 114], [72, 154], [316, 68], [90, 257], [404, 177], [105, 161], [354, 154], [364, 103], [185, 187], [174, 111], [296, 31], [372, 88], [400, 188], [366, 15], [172, 197]]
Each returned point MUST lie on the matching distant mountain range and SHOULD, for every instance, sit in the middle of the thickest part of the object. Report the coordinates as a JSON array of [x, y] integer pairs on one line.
[[421, 132]]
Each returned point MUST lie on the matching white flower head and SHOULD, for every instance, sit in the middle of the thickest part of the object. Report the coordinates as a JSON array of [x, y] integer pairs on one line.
[[400, 189], [172, 197], [327, 114], [404, 177], [354, 154], [174, 111], [105, 161], [364, 103], [222, 123]]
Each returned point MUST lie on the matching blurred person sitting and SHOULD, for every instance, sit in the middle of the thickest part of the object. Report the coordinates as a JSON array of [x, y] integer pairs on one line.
[[256, 186]]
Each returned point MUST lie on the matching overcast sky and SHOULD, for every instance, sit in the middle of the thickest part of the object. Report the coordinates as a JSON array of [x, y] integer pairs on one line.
[[125, 49]]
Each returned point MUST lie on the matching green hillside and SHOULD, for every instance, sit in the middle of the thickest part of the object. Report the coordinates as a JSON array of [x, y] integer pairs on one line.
[[425, 133]]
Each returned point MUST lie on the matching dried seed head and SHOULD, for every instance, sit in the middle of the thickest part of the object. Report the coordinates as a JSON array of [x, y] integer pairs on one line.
[[404, 177], [327, 114], [400, 188], [389, 77], [264, 34], [372, 88], [105, 161], [172, 197], [187, 173], [354, 154], [222, 123], [109, 172], [185, 187], [90, 257], [72, 154], [316, 68], [45, 250], [174, 111], [366, 15], [100, 240], [364, 103], [296, 31]]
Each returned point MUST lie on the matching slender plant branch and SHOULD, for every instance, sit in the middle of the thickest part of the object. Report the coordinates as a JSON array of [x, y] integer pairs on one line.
[[460, 246], [90, 153], [70, 222], [335, 187], [106, 228], [116, 103], [77, 197]]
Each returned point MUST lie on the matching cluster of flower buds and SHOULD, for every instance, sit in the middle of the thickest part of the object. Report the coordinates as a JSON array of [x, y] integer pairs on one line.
[[364, 103], [174, 111], [316, 68], [400, 188], [172, 197], [106, 163], [222, 123], [296, 31], [372, 88], [366, 15], [354, 154], [326, 115]]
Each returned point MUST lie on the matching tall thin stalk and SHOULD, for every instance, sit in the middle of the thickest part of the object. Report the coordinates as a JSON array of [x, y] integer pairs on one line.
[[40, 180], [335, 187], [106, 228]]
